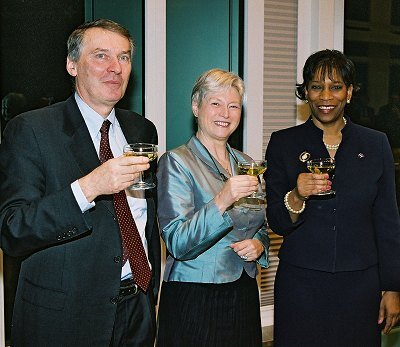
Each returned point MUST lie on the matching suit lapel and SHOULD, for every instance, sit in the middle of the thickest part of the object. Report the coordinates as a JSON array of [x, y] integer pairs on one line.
[[81, 145], [200, 151], [132, 133]]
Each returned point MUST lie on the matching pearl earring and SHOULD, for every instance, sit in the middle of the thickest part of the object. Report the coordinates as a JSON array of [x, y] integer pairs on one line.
[[348, 101]]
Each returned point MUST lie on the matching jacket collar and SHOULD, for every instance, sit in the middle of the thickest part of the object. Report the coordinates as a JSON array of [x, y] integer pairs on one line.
[[200, 151]]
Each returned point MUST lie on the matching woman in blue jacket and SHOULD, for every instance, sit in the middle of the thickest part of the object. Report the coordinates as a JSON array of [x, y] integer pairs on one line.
[[209, 295], [338, 278]]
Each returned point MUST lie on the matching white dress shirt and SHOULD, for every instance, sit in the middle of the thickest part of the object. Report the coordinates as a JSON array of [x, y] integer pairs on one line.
[[136, 200]]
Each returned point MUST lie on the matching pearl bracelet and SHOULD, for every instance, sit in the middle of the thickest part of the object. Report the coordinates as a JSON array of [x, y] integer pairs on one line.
[[286, 202]]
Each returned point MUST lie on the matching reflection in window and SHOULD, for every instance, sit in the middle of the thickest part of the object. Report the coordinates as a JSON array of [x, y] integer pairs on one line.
[[377, 59], [356, 48], [394, 52], [394, 78], [353, 10], [395, 13]]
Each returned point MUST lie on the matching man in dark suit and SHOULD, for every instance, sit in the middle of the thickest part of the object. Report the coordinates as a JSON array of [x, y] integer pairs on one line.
[[58, 207]]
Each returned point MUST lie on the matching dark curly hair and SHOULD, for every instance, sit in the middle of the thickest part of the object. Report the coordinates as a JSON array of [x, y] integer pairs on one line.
[[327, 61]]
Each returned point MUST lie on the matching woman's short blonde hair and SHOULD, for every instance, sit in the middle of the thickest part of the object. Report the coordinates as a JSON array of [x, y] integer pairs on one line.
[[216, 80]]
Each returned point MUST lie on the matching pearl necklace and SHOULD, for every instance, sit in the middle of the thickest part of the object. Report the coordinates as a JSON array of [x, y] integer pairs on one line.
[[334, 147]]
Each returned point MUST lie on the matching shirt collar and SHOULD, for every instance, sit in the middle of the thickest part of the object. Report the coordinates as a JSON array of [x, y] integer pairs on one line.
[[92, 119]]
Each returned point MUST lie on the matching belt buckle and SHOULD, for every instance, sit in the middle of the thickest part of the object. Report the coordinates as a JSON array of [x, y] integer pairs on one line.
[[131, 288]]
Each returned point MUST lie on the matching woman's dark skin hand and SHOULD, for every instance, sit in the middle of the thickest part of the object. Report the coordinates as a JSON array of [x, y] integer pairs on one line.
[[389, 310], [310, 184], [307, 184]]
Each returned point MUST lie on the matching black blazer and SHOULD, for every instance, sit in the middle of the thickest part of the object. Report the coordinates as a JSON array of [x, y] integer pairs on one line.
[[71, 272], [358, 227]]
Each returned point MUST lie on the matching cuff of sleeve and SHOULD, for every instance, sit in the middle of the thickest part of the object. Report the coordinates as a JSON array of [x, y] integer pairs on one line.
[[389, 278], [216, 212], [84, 205], [263, 260]]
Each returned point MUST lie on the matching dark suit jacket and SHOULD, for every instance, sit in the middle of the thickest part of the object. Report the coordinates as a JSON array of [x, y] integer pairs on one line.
[[71, 274], [359, 227]]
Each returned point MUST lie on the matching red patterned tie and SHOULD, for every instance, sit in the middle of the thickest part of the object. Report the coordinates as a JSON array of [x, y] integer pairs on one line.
[[131, 243]]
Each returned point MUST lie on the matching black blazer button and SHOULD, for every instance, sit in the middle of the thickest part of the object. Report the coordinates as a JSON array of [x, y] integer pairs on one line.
[[114, 301], [117, 259]]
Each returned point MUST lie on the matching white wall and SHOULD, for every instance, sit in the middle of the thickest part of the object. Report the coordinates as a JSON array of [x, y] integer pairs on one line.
[[156, 68], [320, 26], [253, 77]]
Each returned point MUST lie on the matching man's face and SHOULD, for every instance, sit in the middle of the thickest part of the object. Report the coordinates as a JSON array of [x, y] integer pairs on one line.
[[103, 69]]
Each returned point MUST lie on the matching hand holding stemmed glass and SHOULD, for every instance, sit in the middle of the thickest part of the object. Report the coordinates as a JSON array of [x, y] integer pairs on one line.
[[322, 166], [253, 168], [148, 150]]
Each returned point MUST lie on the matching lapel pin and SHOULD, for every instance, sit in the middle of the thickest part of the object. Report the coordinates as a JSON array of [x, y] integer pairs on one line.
[[304, 156], [361, 155]]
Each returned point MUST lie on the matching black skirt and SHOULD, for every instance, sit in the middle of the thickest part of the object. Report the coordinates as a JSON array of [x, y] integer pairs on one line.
[[323, 309], [198, 314]]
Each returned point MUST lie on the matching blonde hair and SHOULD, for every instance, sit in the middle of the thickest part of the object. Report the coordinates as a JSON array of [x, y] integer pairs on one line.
[[216, 80]]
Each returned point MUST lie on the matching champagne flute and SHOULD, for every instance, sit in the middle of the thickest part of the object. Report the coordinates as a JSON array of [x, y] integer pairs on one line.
[[148, 150], [253, 168], [322, 166]]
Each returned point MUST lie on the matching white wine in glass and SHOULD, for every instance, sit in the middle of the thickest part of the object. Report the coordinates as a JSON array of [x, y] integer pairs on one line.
[[148, 150], [322, 166], [253, 168]]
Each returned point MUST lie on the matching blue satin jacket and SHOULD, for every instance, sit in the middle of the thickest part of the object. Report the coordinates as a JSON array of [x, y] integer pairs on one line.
[[196, 234]]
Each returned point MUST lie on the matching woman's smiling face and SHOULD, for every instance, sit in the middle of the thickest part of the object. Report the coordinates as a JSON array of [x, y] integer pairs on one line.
[[327, 98], [218, 114]]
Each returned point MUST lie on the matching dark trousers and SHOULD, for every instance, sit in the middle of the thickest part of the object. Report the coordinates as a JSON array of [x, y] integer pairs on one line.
[[135, 321]]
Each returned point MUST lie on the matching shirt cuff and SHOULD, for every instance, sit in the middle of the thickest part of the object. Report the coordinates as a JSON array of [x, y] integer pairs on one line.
[[84, 205]]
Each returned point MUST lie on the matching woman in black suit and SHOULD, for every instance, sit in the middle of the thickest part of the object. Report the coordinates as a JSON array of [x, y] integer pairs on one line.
[[338, 278]]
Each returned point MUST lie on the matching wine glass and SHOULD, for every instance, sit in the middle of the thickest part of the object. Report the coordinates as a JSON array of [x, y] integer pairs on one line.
[[253, 168], [322, 166], [148, 150]]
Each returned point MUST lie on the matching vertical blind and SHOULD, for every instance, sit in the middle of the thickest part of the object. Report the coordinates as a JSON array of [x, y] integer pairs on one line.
[[279, 109]]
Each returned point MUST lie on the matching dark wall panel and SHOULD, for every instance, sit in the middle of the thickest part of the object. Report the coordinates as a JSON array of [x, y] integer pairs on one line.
[[33, 35], [33, 38]]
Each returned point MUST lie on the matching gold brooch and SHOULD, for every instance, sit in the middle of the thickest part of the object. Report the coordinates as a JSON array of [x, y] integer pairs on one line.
[[304, 156]]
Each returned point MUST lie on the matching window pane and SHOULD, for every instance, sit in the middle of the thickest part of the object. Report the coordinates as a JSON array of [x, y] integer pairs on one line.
[[395, 15], [377, 59], [355, 48], [355, 11], [395, 52]]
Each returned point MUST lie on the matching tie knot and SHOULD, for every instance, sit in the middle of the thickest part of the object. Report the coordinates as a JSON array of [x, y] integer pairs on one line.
[[105, 127]]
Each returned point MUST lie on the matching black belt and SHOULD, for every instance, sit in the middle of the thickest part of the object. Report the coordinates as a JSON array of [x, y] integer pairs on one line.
[[128, 287]]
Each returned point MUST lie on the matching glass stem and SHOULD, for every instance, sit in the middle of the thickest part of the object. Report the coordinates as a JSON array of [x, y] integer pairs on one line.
[[141, 177]]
